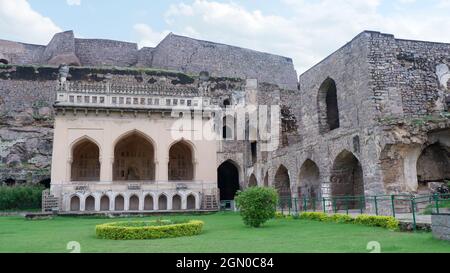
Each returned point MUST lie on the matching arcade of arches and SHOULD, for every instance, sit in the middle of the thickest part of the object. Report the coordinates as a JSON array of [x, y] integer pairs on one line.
[[134, 202], [134, 160]]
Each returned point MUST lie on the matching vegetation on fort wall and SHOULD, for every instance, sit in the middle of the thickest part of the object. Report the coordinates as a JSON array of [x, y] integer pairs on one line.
[[257, 205], [21, 197], [142, 230]]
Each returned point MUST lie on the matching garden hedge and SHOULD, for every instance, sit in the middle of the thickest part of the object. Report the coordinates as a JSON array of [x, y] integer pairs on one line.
[[20, 197], [388, 222], [148, 230]]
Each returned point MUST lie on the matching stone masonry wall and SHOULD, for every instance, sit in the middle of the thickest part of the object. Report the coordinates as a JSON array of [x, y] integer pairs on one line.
[[96, 52], [403, 76]]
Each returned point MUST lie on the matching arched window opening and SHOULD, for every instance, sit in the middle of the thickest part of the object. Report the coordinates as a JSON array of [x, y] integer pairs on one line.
[[328, 109]]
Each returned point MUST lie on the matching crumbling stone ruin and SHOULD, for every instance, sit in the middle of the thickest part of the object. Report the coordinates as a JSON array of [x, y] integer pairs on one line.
[[370, 119]]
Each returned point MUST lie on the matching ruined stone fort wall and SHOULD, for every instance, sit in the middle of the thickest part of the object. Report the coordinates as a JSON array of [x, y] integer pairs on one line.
[[173, 53]]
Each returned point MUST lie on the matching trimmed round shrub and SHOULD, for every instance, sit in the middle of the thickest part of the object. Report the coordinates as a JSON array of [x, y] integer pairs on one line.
[[143, 230], [257, 205]]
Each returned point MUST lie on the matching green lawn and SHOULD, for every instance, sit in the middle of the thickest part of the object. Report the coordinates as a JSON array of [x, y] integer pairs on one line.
[[223, 232]]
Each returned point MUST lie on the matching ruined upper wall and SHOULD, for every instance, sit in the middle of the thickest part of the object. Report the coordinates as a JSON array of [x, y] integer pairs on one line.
[[20, 53], [349, 69], [174, 53], [193, 56], [403, 76]]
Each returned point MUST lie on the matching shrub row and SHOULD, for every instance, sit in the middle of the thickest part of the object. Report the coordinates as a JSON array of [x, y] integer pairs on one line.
[[388, 222], [147, 230], [21, 197]]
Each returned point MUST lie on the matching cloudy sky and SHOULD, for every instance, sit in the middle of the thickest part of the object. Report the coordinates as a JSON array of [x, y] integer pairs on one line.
[[305, 30]]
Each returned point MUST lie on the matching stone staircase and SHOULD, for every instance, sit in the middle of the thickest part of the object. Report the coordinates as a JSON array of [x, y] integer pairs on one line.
[[209, 202], [50, 203]]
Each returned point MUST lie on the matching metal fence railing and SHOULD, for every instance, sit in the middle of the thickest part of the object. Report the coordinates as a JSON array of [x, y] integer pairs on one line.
[[388, 205]]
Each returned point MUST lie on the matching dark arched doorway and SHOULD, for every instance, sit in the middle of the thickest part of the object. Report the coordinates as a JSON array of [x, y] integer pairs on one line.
[[228, 180], [283, 186], [433, 165], [347, 180]]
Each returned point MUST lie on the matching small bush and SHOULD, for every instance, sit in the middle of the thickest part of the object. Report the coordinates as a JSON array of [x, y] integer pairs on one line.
[[388, 222], [317, 216], [21, 197], [257, 205], [148, 230]]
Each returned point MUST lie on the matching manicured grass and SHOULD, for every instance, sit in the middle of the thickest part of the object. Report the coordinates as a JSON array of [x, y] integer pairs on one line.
[[223, 232]]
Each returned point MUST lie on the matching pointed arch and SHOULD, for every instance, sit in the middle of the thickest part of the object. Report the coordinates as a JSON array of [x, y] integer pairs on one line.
[[119, 203], [433, 165], [181, 165], [252, 181], [309, 180], [191, 201], [266, 179], [75, 204], [176, 202], [89, 203], [228, 179], [162, 202], [85, 160], [327, 105], [104, 203], [283, 183], [347, 178], [134, 157], [149, 202], [133, 203]]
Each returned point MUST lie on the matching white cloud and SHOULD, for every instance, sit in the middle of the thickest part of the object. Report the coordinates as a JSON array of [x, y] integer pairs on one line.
[[314, 30], [18, 21], [73, 2], [146, 36]]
